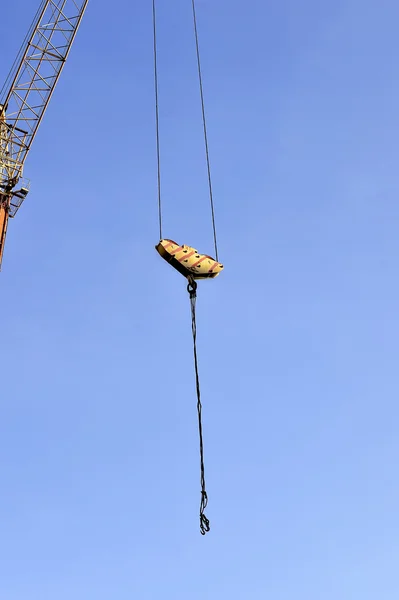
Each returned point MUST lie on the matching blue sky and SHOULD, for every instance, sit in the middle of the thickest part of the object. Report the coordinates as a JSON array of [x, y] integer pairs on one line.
[[298, 338]]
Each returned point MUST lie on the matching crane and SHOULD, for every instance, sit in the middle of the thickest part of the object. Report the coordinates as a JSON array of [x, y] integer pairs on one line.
[[26, 94]]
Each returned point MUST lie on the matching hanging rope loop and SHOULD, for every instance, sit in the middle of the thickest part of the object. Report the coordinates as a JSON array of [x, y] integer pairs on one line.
[[204, 521]]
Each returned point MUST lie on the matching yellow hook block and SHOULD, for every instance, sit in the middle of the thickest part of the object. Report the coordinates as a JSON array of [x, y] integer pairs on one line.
[[188, 261]]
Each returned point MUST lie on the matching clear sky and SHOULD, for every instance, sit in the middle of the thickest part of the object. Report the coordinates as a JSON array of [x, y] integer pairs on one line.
[[298, 338]]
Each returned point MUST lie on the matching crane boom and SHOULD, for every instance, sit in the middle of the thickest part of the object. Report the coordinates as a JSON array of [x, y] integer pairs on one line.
[[24, 102]]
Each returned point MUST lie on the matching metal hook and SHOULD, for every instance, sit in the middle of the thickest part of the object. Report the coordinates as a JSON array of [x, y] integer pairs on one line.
[[192, 286]]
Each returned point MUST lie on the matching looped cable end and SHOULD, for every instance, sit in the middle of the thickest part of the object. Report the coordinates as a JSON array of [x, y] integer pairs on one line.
[[204, 521], [204, 524]]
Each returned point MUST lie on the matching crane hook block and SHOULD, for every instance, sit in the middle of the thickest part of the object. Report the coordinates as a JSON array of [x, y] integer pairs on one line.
[[188, 261]]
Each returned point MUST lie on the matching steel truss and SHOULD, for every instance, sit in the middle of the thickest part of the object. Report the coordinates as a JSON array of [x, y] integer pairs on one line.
[[33, 82]]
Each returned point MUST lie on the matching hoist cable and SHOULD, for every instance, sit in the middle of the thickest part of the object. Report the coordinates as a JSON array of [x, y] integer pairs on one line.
[[204, 124], [204, 522], [192, 284], [154, 24], [208, 162]]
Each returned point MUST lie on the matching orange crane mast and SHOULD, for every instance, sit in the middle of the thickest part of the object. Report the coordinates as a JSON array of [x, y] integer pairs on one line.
[[26, 93]]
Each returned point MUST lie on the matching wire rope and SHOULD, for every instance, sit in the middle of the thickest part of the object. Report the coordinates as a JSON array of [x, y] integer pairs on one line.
[[154, 25], [208, 162]]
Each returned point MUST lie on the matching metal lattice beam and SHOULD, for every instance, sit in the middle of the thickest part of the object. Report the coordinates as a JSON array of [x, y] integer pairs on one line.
[[33, 84]]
